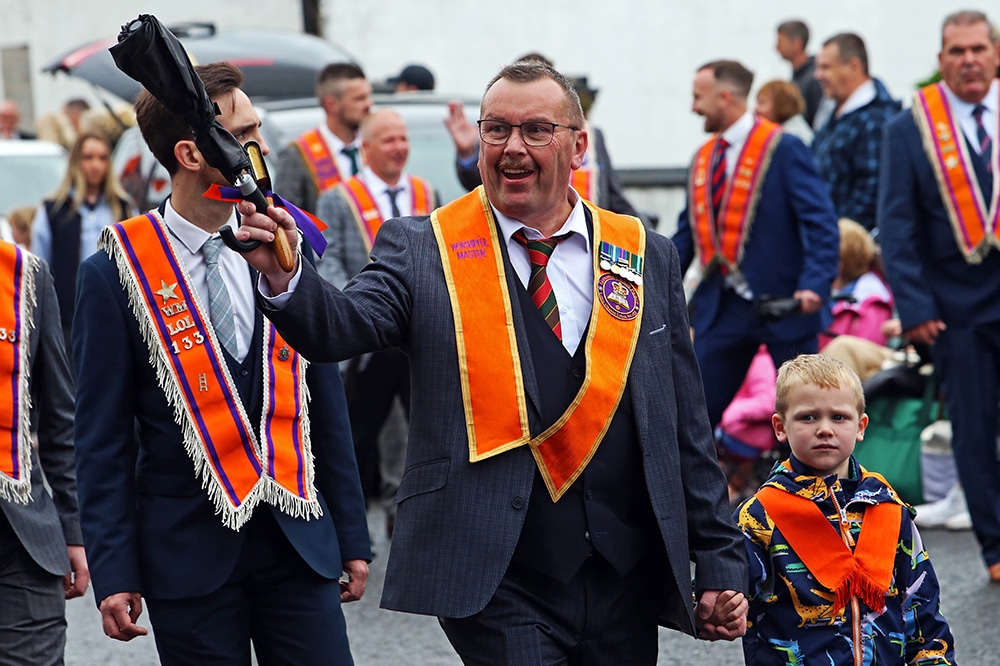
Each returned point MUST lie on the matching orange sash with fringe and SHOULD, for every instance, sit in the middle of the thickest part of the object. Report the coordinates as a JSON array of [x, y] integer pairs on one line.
[[237, 468], [322, 164], [974, 221], [366, 212], [722, 241], [17, 307], [865, 573], [489, 360]]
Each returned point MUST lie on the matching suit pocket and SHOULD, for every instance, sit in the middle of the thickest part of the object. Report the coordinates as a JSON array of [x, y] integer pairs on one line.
[[423, 478]]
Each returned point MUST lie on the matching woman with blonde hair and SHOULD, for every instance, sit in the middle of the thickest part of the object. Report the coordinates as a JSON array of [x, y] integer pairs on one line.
[[67, 226], [782, 103]]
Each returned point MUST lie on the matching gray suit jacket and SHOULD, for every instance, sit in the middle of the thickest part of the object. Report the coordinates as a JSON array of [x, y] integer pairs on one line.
[[457, 522], [48, 523], [293, 180]]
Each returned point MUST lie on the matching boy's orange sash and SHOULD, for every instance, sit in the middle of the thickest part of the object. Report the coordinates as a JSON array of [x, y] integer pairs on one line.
[[17, 307], [236, 468], [366, 212], [974, 224], [865, 573], [489, 359], [722, 241], [322, 164]]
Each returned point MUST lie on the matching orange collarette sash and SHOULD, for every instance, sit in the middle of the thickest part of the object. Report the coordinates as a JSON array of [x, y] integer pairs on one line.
[[974, 224], [17, 310], [322, 164], [489, 360], [366, 212], [585, 179], [865, 573], [237, 468], [722, 241]]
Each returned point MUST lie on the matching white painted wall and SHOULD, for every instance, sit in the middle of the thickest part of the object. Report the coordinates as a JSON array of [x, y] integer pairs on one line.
[[641, 54]]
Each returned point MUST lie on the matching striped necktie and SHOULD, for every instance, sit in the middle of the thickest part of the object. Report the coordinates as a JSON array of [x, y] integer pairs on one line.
[[985, 144], [718, 174], [539, 287], [220, 308]]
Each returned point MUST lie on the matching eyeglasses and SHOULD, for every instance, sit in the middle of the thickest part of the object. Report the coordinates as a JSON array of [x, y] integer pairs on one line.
[[535, 133]]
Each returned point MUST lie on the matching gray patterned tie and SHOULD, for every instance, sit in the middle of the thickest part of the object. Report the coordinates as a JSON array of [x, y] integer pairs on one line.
[[220, 308]]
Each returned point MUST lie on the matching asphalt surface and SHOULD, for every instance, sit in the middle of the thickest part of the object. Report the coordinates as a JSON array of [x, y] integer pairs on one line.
[[383, 638]]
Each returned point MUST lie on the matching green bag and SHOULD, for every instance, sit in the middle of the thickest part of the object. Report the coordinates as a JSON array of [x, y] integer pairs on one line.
[[891, 445]]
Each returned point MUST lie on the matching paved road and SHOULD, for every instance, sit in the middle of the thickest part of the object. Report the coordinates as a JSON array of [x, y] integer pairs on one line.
[[381, 638]]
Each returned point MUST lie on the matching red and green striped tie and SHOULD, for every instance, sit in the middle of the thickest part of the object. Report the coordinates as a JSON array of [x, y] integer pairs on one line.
[[539, 287]]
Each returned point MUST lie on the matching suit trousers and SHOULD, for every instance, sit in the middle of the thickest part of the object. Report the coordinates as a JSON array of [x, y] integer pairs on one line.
[[597, 618], [727, 347], [968, 361], [273, 599], [32, 607]]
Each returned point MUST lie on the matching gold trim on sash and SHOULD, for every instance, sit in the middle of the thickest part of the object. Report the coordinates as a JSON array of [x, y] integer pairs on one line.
[[367, 215], [491, 373], [17, 313], [320, 159], [238, 465], [975, 226], [721, 242]]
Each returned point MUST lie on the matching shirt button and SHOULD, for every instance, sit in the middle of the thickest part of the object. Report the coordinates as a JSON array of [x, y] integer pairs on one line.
[[517, 503]]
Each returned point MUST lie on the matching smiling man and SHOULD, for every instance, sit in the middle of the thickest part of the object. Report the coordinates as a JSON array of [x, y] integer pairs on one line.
[[938, 219], [560, 474]]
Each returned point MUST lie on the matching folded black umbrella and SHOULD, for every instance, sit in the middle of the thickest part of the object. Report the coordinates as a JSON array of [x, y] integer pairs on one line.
[[771, 308]]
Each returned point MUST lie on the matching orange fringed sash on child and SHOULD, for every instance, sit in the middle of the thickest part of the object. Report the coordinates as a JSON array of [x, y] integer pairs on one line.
[[237, 468], [722, 241], [489, 359], [974, 223], [865, 573], [322, 165], [17, 306], [366, 212]]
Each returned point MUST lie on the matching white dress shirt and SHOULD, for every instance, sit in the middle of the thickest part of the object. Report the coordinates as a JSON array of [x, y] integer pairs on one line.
[[235, 273], [380, 193], [570, 270], [861, 96], [963, 113], [336, 147], [736, 135]]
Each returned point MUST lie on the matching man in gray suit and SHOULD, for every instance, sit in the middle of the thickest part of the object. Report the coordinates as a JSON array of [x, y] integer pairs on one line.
[[42, 562], [561, 475]]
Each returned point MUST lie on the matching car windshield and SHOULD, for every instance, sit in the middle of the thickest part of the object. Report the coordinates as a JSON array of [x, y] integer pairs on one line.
[[27, 178]]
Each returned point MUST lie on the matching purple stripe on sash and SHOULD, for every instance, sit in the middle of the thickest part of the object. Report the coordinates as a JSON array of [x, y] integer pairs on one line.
[[940, 157], [271, 401], [362, 211], [15, 380], [296, 427], [175, 361]]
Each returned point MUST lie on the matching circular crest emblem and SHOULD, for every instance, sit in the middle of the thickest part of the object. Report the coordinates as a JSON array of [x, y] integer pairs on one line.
[[619, 297]]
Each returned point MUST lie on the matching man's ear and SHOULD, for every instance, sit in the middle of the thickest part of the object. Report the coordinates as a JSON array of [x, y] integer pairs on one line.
[[580, 148], [188, 156]]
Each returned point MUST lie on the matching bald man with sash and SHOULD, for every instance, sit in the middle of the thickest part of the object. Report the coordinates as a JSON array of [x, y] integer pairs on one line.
[[761, 225], [560, 473], [939, 218]]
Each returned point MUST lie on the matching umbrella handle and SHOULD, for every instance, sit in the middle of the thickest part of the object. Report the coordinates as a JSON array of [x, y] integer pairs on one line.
[[282, 248]]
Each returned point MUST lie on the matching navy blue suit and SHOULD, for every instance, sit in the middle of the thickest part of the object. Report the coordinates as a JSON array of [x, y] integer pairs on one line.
[[931, 280], [148, 524], [793, 245]]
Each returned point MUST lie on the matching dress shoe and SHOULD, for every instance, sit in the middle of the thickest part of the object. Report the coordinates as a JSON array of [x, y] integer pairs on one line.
[[936, 514]]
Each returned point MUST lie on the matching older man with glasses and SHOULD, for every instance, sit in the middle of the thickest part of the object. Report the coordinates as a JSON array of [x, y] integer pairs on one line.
[[560, 475]]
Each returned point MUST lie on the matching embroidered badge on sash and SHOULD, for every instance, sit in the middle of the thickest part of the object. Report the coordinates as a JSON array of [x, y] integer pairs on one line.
[[618, 297]]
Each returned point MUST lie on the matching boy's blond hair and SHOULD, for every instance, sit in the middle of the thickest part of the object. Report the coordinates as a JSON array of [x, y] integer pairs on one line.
[[818, 370]]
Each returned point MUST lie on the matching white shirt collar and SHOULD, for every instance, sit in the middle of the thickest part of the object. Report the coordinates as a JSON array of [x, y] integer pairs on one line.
[[379, 186], [188, 234], [861, 96], [575, 224], [963, 108], [737, 133]]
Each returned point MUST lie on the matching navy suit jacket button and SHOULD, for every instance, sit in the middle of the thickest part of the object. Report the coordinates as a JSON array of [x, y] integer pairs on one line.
[[517, 503]]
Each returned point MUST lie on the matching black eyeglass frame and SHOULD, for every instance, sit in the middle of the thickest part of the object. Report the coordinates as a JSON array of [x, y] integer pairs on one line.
[[510, 131]]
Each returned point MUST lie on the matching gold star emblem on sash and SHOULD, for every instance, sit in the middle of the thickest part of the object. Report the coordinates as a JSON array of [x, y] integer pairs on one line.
[[166, 292]]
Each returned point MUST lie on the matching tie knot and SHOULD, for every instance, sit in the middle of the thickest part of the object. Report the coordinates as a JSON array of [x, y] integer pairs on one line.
[[350, 151], [211, 250], [539, 250], [393, 191], [977, 113], [723, 144]]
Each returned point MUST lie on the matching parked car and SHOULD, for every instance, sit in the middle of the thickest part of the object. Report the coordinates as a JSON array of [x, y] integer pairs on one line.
[[30, 171], [432, 153]]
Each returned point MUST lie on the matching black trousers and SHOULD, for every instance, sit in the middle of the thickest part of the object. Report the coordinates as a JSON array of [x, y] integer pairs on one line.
[[597, 618]]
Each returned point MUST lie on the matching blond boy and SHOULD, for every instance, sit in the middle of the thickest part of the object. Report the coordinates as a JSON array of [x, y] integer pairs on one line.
[[838, 573]]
